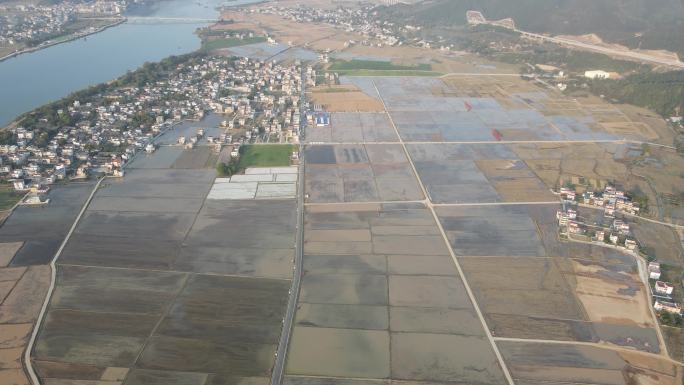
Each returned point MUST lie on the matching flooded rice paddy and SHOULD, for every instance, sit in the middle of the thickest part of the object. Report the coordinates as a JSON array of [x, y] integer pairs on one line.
[[159, 285], [382, 300], [375, 304]]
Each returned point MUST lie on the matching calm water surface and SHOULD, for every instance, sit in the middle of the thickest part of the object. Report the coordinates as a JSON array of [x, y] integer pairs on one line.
[[31, 80]]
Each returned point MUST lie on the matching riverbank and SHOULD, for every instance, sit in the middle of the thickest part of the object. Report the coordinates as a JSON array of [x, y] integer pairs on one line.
[[69, 38]]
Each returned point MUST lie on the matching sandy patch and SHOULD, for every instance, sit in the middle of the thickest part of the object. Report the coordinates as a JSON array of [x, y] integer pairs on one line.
[[603, 302], [7, 251], [14, 377], [24, 302], [334, 208], [14, 335], [11, 358], [345, 99]]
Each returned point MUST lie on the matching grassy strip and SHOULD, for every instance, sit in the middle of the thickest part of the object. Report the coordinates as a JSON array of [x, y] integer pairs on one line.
[[341, 65], [332, 90], [231, 42], [388, 73]]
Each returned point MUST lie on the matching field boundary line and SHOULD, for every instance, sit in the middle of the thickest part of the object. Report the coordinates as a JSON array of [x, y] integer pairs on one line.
[[28, 365], [592, 344], [471, 295]]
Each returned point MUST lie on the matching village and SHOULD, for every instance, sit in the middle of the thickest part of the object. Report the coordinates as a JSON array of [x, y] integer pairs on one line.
[[26, 25], [254, 101], [611, 228], [358, 20]]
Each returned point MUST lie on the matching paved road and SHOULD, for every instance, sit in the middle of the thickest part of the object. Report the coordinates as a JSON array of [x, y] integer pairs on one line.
[[283, 344], [609, 51], [281, 354], [471, 74], [555, 202], [53, 276], [490, 142], [593, 344]]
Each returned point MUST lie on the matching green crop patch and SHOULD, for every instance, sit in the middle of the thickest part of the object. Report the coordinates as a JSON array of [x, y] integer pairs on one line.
[[230, 42], [380, 68], [266, 155]]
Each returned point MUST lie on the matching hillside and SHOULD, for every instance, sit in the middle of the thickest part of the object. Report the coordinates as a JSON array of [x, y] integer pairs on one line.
[[647, 24], [660, 92]]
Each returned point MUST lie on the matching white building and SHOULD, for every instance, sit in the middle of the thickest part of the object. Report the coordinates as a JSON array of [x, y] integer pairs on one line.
[[663, 287], [669, 307], [597, 74], [654, 270]]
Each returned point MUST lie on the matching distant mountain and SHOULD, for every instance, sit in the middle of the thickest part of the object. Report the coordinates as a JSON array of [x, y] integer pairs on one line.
[[647, 24]]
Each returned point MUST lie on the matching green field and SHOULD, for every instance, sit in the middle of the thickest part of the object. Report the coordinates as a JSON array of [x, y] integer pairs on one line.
[[265, 155], [331, 90], [230, 42], [389, 73], [8, 198], [380, 68], [375, 65]]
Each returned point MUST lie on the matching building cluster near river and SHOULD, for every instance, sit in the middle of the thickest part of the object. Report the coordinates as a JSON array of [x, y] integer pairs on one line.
[[26, 26], [99, 131]]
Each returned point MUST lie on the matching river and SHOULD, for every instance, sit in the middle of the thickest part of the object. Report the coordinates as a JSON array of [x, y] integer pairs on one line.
[[30, 80]]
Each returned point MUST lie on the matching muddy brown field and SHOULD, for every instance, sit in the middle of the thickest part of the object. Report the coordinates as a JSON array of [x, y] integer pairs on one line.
[[159, 285], [534, 363], [395, 310], [345, 99]]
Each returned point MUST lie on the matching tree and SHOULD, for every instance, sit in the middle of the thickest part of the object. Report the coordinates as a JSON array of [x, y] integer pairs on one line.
[[7, 137], [222, 169], [228, 169], [639, 197], [670, 319]]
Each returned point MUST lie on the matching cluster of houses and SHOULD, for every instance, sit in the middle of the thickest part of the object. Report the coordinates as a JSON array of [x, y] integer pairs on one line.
[[362, 19], [111, 127], [662, 291], [618, 233], [358, 20], [611, 200], [24, 22]]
